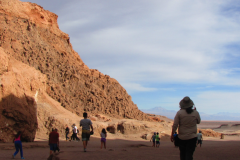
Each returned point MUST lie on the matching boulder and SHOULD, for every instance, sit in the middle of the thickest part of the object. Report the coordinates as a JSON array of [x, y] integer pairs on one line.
[[19, 85]]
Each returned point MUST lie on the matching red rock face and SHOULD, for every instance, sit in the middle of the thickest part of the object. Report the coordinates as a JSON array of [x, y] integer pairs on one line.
[[31, 35], [18, 85]]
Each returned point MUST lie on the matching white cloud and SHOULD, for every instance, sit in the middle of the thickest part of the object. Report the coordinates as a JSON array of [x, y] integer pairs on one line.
[[163, 41], [134, 87], [217, 101]]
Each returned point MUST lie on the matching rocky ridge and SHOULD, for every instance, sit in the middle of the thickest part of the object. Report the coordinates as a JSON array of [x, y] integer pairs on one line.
[[31, 35]]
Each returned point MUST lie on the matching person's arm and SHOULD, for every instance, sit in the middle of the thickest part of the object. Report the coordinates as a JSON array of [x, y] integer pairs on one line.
[[91, 127], [49, 140], [106, 135], [58, 141], [175, 126], [198, 118]]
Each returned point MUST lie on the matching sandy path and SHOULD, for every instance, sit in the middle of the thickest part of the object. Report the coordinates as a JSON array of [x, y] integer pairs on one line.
[[212, 149]]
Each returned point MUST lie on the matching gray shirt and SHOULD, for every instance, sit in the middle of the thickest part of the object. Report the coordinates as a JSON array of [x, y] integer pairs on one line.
[[86, 123], [199, 136], [186, 124]]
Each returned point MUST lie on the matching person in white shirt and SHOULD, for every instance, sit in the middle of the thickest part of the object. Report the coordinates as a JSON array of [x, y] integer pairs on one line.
[[103, 138], [74, 130], [200, 138]]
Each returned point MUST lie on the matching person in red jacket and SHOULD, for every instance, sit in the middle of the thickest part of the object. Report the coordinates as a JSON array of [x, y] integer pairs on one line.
[[18, 145], [53, 141]]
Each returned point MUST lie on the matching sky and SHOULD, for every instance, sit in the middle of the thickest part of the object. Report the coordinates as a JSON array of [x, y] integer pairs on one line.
[[158, 50]]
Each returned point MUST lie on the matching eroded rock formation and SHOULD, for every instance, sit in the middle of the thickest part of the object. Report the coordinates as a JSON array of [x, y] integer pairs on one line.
[[18, 86], [31, 35], [210, 133]]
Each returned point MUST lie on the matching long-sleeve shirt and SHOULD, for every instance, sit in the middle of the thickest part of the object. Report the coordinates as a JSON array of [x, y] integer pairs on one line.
[[53, 137], [186, 124]]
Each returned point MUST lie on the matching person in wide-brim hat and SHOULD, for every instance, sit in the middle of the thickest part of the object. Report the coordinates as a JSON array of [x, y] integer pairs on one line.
[[186, 120], [186, 102]]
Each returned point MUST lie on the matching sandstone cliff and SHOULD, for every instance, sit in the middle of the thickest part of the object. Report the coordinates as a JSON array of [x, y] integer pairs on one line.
[[18, 85], [31, 35]]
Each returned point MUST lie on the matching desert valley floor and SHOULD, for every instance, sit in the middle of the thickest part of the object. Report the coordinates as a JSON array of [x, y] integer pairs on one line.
[[117, 149]]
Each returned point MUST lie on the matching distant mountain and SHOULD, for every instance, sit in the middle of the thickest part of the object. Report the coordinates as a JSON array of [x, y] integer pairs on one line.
[[221, 116]]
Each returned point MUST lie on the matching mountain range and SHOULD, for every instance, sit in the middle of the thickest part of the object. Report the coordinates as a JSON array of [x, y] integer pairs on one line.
[[221, 116]]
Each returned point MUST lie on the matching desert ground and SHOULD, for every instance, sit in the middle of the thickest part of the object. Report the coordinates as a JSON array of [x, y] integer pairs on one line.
[[225, 127], [120, 149]]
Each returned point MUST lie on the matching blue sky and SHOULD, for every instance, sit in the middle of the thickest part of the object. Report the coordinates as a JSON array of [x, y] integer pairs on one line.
[[158, 50]]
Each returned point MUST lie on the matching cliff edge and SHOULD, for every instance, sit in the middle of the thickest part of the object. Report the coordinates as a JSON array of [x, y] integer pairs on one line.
[[31, 35]]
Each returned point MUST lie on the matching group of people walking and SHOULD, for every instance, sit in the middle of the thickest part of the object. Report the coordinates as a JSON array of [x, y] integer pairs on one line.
[[155, 140], [74, 135], [86, 125], [185, 121]]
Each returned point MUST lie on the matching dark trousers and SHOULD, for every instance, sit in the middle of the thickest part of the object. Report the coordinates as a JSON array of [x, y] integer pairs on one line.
[[18, 146], [67, 136], [187, 148], [74, 136]]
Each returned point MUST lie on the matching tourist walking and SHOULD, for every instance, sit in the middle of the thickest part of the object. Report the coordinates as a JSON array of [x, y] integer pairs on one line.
[[18, 145], [200, 138], [86, 124], [153, 139], [74, 132], [186, 121], [157, 140], [103, 138], [67, 132], [53, 141]]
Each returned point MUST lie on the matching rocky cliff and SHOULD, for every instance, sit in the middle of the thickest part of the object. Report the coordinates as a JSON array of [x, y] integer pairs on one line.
[[18, 85], [31, 35]]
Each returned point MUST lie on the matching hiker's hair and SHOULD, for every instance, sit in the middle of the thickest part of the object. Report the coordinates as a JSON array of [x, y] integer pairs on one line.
[[104, 131], [85, 114], [18, 134], [189, 110]]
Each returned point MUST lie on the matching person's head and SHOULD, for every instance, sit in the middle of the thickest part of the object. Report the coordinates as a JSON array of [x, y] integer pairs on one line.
[[85, 114], [154, 133], [157, 133], [175, 132], [200, 131], [52, 129], [104, 131], [55, 130], [187, 104]]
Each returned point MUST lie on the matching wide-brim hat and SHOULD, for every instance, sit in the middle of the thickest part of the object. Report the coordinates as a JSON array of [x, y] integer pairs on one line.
[[186, 102]]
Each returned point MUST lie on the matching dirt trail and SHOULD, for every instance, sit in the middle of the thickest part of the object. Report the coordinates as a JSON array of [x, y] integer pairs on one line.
[[212, 149]]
